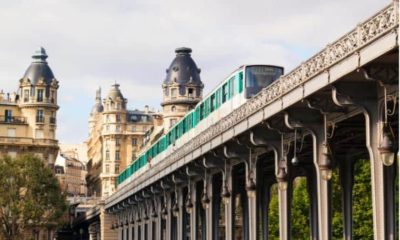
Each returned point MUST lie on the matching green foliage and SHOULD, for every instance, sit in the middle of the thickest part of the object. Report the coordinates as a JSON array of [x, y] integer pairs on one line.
[[29, 195], [362, 206], [273, 217], [362, 201], [300, 209], [337, 217]]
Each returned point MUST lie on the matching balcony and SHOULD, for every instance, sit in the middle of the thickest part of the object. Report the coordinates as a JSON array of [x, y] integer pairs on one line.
[[12, 120], [28, 141]]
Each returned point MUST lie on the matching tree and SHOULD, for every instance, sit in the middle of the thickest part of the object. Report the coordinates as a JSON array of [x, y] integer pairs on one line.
[[30, 195]]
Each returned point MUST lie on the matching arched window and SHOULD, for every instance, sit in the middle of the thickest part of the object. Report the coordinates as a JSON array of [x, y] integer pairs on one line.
[[173, 109]]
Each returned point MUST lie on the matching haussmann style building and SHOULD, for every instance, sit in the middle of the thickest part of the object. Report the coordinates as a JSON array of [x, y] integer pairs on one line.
[[28, 117], [117, 135]]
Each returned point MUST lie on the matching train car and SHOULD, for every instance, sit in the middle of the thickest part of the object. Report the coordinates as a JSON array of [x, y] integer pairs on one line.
[[241, 85]]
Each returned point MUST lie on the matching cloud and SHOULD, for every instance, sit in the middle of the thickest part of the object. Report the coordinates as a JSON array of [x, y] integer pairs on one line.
[[94, 43]]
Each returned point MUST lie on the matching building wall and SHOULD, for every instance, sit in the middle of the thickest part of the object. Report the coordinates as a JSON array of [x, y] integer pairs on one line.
[[24, 130], [116, 136]]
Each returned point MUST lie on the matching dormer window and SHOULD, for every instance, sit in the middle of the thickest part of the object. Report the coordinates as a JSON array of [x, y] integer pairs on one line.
[[39, 95], [191, 92], [174, 92], [26, 95]]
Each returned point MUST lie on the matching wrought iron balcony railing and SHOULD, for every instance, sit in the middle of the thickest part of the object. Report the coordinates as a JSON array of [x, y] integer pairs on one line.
[[12, 120]]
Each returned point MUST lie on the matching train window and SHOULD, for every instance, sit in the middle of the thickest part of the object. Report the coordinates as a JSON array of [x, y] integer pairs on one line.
[[259, 77], [213, 102], [240, 82], [224, 92], [202, 111]]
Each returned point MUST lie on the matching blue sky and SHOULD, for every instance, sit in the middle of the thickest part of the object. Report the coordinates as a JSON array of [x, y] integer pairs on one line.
[[94, 43]]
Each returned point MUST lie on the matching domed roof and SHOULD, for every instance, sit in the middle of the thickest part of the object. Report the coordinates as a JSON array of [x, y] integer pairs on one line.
[[114, 92], [183, 69], [39, 68], [98, 106]]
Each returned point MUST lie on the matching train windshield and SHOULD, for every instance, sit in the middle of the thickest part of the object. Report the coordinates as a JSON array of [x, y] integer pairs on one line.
[[259, 77]]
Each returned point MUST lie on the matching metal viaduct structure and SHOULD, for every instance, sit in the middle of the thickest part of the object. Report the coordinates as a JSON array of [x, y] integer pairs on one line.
[[333, 110]]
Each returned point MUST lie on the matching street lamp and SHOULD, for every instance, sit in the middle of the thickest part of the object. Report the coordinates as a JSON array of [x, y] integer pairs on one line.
[[226, 195], [326, 163], [295, 160], [386, 148], [282, 178], [251, 188], [205, 200]]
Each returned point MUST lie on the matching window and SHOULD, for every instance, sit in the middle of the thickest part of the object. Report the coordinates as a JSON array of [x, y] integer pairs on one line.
[[117, 155], [107, 168], [174, 92], [191, 92], [26, 95], [40, 116], [53, 96], [11, 132], [117, 141], [134, 141], [108, 128], [118, 128], [107, 118], [39, 95], [118, 118], [8, 115], [213, 102], [201, 111], [173, 109], [116, 168], [53, 117], [107, 155], [133, 128], [224, 92]]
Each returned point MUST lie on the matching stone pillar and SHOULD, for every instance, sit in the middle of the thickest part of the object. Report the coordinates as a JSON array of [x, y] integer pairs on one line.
[[106, 221]]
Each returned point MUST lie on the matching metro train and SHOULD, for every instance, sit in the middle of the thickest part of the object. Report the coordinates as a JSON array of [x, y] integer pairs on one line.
[[241, 85]]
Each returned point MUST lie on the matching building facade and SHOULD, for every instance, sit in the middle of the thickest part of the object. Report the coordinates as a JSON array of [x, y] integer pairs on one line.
[[118, 135], [28, 117], [182, 87], [115, 137], [71, 173]]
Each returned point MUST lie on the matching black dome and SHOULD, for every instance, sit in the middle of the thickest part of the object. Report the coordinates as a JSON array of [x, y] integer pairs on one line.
[[183, 69], [39, 68]]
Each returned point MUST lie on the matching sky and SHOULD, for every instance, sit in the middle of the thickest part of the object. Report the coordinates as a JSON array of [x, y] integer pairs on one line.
[[95, 43]]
